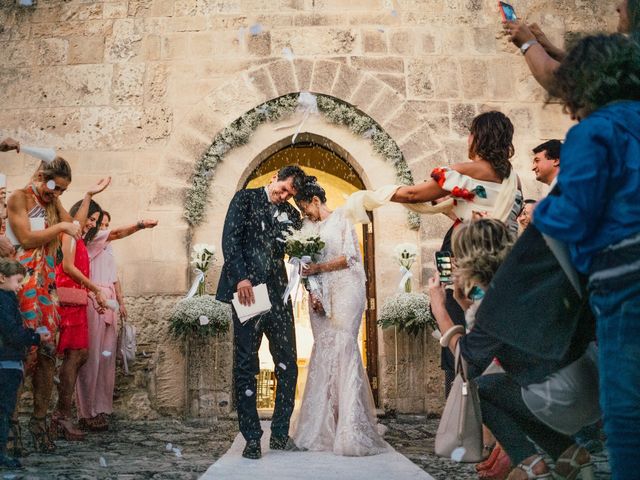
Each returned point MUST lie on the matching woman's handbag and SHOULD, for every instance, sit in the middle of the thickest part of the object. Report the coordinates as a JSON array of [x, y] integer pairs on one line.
[[459, 434], [127, 345], [72, 297]]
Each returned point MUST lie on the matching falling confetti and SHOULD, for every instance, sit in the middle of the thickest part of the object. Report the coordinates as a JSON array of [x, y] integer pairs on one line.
[[370, 133], [282, 366], [106, 353], [458, 454], [248, 392], [169, 447], [381, 30], [287, 53], [394, 13], [204, 320], [177, 451], [103, 462], [255, 29], [51, 184]]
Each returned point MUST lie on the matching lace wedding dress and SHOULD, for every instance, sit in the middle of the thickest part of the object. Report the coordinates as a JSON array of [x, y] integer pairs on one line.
[[337, 412]]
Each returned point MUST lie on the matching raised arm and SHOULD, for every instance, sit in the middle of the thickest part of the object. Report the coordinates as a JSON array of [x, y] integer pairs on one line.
[[123, 232], [81, 214], [19, 220], [426, 191]]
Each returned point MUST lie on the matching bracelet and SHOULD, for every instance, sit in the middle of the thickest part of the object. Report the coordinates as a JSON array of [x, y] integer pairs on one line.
[[140, 225], [527, 45], [446, 336]]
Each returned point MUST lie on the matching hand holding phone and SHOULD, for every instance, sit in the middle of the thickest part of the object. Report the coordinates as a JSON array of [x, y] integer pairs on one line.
[[508, 12], [443, 264]]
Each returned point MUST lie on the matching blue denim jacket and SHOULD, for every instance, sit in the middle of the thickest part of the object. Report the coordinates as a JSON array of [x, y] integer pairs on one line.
[[598, 197]]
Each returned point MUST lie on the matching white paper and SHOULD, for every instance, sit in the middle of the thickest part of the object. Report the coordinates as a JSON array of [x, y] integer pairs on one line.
[[47, 155], [36, 225], [261, 305]]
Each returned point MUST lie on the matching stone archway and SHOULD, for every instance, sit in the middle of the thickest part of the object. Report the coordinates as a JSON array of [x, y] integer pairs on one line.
[[193, 134]]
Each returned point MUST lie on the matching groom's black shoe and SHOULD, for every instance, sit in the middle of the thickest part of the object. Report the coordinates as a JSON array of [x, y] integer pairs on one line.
[[281, 443], [252, 450]]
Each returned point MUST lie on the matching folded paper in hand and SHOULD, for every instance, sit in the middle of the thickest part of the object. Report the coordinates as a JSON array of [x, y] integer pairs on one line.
[[261, 305]]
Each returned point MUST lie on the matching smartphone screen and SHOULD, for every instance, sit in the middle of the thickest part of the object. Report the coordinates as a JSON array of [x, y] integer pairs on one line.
[[508, 13], [443, 264]]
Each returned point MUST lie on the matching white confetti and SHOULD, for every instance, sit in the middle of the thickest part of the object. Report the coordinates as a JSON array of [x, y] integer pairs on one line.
[[169, 447], [458, 454], [248, 392], [106, 353], [394, 13], [282, 366], [103, 462], [51, 184], [204, 320], [381, 30], [287, 53], [370, 133], [255, 29], [9, 476], [177, 451]]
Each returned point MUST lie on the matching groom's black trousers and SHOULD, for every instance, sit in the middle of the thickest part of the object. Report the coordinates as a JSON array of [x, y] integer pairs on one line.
[[278, 326]]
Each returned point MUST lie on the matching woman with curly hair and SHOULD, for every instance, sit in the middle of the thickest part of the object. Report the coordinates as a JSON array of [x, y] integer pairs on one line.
[[510, 401], [596, 211]]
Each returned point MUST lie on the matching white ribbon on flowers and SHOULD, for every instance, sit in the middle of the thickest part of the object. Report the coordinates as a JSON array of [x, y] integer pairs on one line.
[[198, 280], [307, 103], [296, 275], [406, 277]]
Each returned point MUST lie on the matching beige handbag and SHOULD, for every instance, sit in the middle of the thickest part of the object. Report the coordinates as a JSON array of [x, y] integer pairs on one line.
[[459, 435]]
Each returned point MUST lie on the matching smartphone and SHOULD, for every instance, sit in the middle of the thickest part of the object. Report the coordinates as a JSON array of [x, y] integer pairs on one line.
[[507, 11], [443, 264]]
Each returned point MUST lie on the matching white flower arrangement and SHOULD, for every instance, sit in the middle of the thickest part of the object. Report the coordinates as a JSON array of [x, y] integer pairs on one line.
[[407, 311], [199, 316], [239, 132], [405, 255], [201, 256]]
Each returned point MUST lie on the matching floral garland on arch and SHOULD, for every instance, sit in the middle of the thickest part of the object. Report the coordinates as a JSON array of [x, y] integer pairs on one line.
[[239, 132]]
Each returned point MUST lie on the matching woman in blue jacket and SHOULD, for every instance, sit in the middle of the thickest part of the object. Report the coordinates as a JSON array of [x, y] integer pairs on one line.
[[595, 209]]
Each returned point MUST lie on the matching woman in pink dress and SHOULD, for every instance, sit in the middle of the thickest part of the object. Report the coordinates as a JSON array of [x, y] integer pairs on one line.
[[94, 390]]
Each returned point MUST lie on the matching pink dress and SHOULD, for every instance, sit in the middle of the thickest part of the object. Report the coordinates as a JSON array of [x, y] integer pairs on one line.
[[96, 379]]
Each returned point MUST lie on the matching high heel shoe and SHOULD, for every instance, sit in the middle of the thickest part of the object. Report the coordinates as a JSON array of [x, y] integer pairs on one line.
[[15, 447], [61, 426], [528, 469], [499, 470], [39, 432], [583, 471], [488, 463]]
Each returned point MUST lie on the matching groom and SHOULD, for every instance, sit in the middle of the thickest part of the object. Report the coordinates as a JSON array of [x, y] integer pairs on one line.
[[252, 255]]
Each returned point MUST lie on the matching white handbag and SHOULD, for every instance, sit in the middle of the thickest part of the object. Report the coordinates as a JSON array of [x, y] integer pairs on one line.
[[127, 345]]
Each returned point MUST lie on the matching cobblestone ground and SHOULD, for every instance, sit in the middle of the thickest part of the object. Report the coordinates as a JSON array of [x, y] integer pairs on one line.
[[138, 450]]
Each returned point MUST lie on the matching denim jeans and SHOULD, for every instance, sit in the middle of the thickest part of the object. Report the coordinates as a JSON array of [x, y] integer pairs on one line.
[[10, 380], [614, 293]]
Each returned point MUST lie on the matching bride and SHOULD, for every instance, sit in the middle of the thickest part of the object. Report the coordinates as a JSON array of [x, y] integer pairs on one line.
[[337, 412]]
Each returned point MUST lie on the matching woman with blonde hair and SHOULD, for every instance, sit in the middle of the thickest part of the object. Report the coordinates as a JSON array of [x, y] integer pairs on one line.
[[37, 219]]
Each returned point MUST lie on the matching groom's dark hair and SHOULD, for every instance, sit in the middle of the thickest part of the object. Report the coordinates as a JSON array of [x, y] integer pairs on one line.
[[293, 171]]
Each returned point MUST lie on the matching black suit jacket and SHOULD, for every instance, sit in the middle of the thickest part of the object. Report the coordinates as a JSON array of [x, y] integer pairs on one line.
[[250, 244]]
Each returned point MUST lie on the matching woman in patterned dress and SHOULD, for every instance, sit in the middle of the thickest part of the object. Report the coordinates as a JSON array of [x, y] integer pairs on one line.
[[38, 204]]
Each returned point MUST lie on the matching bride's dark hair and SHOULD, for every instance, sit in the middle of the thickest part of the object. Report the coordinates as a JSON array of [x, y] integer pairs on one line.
[[309, 189]]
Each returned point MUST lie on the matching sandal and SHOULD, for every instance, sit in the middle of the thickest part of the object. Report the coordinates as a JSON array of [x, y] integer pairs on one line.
[[500, 468], [14, 441], [61, 426], [488, 463], [41, 441], [584, 471], [93, 424], [528, 469]]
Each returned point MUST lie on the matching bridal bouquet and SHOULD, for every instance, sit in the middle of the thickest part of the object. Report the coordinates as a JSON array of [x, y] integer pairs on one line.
[[405, 254], [302, 247]]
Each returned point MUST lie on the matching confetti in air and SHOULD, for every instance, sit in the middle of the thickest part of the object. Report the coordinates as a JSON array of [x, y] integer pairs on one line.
[[103, 462], [106, 353], [248, 392], [169, 447], [256, 29]]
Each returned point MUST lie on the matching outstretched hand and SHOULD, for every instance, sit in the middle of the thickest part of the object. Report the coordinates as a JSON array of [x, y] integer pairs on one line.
[[9, 144], [518, 32], [100, 186], [149, 223]]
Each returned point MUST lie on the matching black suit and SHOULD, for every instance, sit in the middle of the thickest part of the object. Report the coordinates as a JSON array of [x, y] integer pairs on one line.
[[253, 252]]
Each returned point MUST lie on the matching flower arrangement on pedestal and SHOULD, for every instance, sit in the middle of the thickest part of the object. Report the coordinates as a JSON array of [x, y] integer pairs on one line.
[[199, 314], [405, 254]]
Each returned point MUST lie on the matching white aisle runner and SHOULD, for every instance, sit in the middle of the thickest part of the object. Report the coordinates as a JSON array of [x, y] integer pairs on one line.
[[279, 465]]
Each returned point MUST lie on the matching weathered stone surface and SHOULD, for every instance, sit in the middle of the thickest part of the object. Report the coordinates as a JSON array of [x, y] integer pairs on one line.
[[374, 41], [128, 84], [125, 43], [346, 83], [379, 64], [283, 77], [53, 51], [304, 70], [324, 74]]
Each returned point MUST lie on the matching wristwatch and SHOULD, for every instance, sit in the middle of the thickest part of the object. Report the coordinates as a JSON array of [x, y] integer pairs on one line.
[[527, 45]]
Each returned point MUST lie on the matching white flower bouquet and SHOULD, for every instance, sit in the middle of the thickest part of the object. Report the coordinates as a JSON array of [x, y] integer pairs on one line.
[[201, 315], [407, 311], [405, 254], [201, 256], [303, 247]]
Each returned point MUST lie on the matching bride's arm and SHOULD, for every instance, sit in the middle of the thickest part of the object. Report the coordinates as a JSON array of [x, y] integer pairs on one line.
[[339, 263]]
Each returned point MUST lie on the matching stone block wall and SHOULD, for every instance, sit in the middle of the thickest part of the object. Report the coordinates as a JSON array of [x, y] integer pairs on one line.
[[137, 89]]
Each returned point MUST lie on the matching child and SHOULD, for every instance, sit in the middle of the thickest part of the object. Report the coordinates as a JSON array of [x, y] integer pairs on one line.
[[14, 340]]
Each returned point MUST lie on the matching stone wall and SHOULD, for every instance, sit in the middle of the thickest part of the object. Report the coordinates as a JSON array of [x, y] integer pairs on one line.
[[137, 89]]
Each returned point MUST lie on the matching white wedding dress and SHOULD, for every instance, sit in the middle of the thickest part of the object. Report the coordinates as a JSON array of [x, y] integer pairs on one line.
[[338, 412]]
